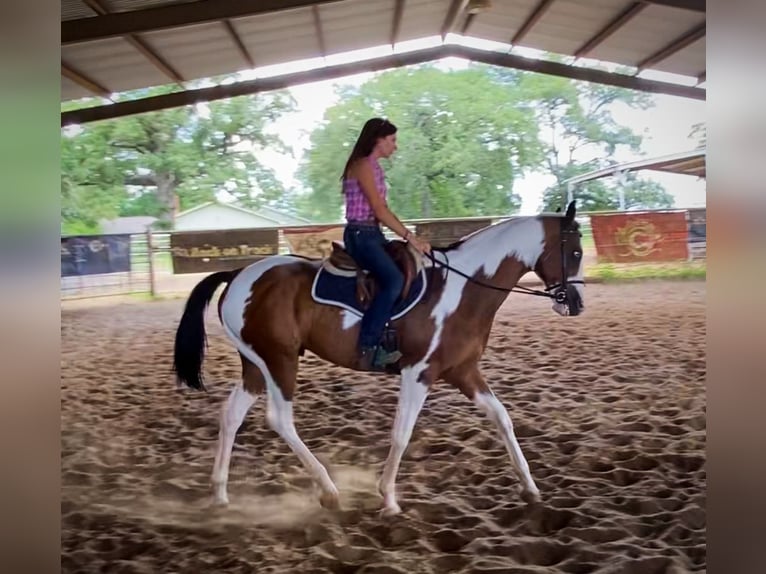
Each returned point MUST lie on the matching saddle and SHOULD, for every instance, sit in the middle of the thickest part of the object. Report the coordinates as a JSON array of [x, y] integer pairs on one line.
[[406, 257]]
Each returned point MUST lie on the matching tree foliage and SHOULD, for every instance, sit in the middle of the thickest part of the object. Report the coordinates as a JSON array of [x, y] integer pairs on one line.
[[580, 134], [158, 162], [463, 140]]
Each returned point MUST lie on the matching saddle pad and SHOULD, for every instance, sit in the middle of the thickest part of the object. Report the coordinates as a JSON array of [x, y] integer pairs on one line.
[[341, 292]]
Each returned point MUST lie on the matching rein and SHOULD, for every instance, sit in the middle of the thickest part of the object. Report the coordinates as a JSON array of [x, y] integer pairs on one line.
[[557, 292]]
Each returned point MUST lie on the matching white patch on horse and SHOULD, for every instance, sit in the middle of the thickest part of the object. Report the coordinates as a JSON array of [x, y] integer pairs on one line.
[[235, 302], [579, 276], [233, 413], [523, 238], [412, 395], [279, 411], [497, 413], [349, 319]]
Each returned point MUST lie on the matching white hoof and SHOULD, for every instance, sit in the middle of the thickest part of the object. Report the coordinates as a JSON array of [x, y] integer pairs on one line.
[[531, 496], [390, 509]]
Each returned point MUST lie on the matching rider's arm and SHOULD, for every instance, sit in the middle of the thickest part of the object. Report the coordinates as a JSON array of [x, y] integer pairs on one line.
[[382, 213]]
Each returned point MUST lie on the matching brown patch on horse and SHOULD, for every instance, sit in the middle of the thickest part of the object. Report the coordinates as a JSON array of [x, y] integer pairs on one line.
[[252, 377], [404, 255], [270, 328]]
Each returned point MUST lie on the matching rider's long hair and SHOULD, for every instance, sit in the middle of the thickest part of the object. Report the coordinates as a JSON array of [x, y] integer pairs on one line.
[[372, 130]]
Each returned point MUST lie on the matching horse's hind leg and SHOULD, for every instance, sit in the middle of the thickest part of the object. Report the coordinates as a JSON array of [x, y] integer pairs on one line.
[[471, 383], [233, 412], [280, 389]]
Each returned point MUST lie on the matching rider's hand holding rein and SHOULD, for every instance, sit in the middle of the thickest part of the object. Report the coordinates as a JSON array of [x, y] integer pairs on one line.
[[420, 244]]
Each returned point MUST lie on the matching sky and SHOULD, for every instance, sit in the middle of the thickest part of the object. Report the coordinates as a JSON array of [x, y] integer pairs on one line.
[[665, 127]]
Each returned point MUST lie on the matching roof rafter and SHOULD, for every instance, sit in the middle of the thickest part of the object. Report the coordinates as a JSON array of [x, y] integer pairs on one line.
[[84, 81], [188, 97], [320, 33], [456, 9], [693, 5], [229, 25], [238, 42], [675, 46], [172, 16], [618, 22], [99, 8], [530, 22], [396, 24]]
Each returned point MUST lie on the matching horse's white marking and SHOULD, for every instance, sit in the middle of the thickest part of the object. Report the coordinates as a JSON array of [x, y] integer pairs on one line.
[[235, 303], [412, 395], [232, 414], [349, 319], [579, 276], [279, 411], [494, 409], [280, 418], [523, 238]]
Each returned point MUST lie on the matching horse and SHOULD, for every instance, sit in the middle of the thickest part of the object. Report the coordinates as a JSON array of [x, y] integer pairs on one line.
[[271, 314]]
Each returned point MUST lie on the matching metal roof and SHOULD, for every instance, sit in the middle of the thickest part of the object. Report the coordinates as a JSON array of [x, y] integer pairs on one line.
[[110, 46], [687, 163]]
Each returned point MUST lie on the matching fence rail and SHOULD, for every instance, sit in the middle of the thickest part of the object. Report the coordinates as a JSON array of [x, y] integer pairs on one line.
[[153, 263]]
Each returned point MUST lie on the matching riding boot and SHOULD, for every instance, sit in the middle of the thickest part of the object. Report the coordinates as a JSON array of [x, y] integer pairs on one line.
[[377, 359]]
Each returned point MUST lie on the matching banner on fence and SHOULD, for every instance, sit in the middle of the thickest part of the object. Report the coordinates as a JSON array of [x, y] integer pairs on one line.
[[442, 233], [313, 241], [203, 251], [95, 254], [640, 237]]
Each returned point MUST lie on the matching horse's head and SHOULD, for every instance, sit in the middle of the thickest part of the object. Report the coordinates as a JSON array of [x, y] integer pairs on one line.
[[560, 264]]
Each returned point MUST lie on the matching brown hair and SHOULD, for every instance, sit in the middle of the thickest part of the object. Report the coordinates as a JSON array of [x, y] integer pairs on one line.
[[372, 130]]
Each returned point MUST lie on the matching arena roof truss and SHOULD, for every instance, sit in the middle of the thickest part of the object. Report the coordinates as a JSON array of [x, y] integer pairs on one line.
[[113, 46]]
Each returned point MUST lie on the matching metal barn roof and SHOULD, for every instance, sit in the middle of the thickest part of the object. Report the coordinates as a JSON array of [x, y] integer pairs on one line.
[[111, 46]]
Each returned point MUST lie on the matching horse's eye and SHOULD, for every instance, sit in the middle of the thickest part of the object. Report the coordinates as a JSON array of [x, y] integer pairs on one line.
[[576, 254]]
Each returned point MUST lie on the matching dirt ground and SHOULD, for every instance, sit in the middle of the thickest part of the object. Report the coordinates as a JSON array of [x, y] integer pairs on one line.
[[609, 408]]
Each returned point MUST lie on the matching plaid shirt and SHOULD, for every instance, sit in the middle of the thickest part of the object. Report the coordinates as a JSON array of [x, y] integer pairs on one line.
[[357, 206]]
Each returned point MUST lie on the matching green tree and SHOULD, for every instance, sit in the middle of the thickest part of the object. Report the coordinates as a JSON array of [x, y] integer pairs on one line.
[[463, 140], [172, 159], [580, 134]]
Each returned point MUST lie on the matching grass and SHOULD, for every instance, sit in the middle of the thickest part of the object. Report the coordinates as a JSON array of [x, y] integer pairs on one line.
[[613, 273]]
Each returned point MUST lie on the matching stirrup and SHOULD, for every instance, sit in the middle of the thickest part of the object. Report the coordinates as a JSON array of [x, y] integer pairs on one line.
[[377, 359]]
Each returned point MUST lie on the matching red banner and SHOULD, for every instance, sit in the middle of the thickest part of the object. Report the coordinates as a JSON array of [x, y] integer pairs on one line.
[[639, 237]]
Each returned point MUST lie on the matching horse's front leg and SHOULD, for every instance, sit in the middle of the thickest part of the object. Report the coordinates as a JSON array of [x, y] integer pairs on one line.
[[412, 394], [472, 384]]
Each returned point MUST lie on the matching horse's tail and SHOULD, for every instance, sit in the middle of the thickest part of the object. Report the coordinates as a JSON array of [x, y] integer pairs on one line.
[[189, 350]]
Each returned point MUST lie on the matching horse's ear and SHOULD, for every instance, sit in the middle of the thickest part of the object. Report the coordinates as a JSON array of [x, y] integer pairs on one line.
[[571, 210]]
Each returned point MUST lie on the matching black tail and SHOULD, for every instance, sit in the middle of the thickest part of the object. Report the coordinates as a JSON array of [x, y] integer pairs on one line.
[[191, 340]]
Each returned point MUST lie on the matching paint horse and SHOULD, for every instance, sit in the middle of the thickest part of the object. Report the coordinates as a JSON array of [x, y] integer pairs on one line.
[[269, 313]]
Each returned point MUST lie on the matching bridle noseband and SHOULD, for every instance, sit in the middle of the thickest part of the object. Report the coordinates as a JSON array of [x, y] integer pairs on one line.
[[563, 293]]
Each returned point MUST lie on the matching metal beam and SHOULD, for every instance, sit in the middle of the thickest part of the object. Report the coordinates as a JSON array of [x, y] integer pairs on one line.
[[533, 19], [84, 81], [456, 8], [189, 97], [320, 33], [396, 25], [99, 8], [693, 5], [675, 46], [618, 22], [238, 42], [172, 16]]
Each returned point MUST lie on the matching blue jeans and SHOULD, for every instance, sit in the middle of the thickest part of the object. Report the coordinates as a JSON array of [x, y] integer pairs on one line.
[[365, 243]]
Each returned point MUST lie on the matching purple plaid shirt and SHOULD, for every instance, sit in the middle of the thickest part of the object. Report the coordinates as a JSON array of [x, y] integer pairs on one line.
[[357, 206]]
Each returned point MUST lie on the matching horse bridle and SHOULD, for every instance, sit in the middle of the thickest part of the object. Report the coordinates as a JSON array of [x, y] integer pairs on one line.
[[563, 292]]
